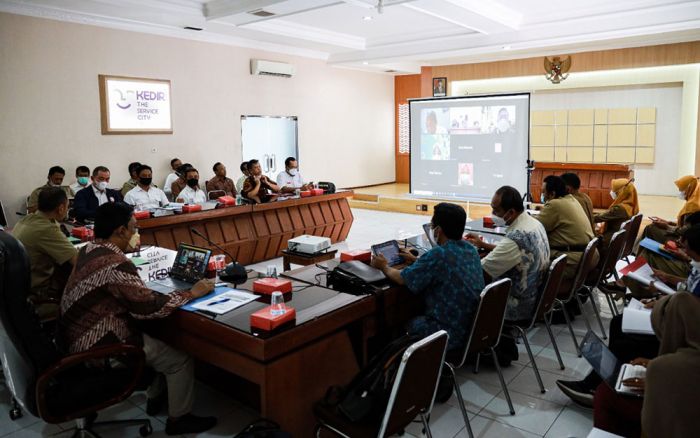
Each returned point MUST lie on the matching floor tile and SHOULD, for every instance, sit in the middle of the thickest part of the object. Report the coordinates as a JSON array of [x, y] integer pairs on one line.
[[488, 373], [36, 430], [483, 427], [445, 421], [531, 414], [476, 395], [526, 383], [575, 366], [230, 424], [572, 422]]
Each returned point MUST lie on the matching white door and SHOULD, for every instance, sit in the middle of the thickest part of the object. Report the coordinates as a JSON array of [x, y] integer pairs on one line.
[[270, 140]]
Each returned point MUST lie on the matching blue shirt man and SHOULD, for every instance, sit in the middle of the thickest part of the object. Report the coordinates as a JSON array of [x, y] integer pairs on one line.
[[448, 277]]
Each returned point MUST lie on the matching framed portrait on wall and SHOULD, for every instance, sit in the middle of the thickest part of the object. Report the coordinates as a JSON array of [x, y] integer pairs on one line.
[[134, 105], [439, 87]]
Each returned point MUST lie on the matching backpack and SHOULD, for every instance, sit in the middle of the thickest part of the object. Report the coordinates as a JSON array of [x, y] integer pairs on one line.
[[263, 428], [365, 398]]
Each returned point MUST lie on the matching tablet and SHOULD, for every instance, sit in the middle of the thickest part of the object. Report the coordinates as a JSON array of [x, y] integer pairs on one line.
[[390, 251]]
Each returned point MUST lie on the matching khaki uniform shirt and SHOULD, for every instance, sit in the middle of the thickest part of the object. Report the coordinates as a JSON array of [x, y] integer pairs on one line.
[[587, 205], [126, 188], [46, 246], [33, 201], [567, 227]]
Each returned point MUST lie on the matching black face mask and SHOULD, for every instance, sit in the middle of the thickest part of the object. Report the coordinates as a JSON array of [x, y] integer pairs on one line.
[[145, 181], [192, 182]]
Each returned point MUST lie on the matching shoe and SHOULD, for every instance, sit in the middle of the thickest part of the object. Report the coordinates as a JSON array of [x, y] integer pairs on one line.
[[578, 392], [155, 406], [189, 424]]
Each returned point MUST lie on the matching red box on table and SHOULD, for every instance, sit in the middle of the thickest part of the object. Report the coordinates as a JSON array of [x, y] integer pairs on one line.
[[145, 214], [488, 222], [226, 200], [305, 193], [268, 285], [83, 233], [191, 208], [316, 192], [265, 320], [363, 255]]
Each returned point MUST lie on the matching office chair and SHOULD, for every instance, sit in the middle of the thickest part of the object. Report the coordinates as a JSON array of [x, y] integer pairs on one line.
[[51, 386], [614, 253], [412, 394], [484, 336]]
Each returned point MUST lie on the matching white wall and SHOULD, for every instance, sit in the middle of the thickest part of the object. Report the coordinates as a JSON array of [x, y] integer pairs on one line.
[[650, 179], [50, 107]]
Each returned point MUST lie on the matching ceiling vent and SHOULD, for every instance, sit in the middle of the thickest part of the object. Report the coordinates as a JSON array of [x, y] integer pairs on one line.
[[271, 68], [198, 29], [261, 13]]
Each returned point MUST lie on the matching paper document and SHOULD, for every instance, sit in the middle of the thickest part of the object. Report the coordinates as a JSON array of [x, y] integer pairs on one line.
[[641, 271], [636, 319], [225, 302]]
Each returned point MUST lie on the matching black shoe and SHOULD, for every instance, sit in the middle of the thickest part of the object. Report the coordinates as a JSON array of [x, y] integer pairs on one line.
[[578, 391], [155, 406], [189, 424]]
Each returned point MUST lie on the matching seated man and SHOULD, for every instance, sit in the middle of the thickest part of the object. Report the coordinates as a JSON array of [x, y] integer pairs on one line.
[[290, 179], [192, 194], [448, 277], [145, 196], [258, 187], [220, 185], [87, 201], [522, 255], [129, 185], [82, 179], [51, 255], [104, 298], [180, 183], [172, 176], [241, 180], [573, 184], [55, 179]]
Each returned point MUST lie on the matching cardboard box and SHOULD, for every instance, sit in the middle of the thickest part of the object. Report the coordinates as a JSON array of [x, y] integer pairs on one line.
[[268, 285], [264, 320]]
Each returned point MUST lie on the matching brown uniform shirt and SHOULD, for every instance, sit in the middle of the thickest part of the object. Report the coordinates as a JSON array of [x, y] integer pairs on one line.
[[221, 184]]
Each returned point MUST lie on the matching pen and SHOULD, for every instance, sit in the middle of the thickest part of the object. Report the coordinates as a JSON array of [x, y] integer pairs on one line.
[[214, 303]]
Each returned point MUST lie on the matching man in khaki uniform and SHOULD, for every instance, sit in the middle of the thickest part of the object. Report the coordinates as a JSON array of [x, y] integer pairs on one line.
[[568, 228], [55, 179], [573, 184], [51, 255]]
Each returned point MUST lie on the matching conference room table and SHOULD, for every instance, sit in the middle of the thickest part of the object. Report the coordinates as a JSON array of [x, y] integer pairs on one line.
[[292, 366]]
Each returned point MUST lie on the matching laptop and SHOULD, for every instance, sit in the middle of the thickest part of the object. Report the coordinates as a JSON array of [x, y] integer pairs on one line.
[[390, 251], [429, 233], [189, 267], [608, 367]]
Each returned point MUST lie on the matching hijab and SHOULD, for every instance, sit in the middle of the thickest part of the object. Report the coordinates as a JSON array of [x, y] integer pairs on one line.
[[689, 185], [626, 195]]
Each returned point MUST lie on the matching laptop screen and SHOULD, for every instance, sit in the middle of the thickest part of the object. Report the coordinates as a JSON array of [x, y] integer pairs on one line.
[[603, 361], [190, 262]]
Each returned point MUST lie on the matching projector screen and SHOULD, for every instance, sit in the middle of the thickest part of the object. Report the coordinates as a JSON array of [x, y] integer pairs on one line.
[[468, 147]]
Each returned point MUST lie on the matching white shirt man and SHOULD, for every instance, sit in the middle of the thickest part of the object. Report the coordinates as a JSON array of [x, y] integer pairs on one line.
[[290, 179], [100, 195], [190, 195], [146, 199]]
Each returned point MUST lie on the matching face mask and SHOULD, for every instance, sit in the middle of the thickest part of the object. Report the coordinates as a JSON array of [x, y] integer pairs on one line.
[[498, 221], [613, 195], [695, 264], [681, 196], [101, 186], [542, 200], [192, 182], [54, 185], [293, 172], [503, 125], [145, 181], [135, 241], [435, 234], [83, 180]]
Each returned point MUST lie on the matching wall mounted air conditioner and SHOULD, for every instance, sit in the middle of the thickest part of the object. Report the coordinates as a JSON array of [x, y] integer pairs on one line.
[[271, 68]]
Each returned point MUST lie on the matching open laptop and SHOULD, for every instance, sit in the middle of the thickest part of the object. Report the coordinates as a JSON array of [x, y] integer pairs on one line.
[[390, 251], [189, 267], [608, 367]]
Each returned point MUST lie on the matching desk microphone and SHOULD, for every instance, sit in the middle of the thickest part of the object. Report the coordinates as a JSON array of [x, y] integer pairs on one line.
[[234, 272]]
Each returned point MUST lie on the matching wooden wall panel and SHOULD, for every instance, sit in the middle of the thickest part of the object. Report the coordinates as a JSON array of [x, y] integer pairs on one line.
[[254, 233], [405, 87]]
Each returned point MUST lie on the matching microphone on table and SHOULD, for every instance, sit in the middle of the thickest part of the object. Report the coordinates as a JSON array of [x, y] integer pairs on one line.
[[234, 272]]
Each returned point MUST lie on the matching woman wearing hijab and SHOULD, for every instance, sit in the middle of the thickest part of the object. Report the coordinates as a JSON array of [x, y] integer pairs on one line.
[[672, 381], [625, 205]]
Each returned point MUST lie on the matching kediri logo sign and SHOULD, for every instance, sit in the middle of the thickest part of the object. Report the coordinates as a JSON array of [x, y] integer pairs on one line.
[[135, 105]]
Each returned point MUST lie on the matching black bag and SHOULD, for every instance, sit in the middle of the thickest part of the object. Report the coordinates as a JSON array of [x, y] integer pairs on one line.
[[328, 187], [366, 396], [263, 428]]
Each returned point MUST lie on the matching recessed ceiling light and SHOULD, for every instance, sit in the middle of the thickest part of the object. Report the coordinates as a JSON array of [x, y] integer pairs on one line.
[[365, 63], [367, 18], [506, 47]]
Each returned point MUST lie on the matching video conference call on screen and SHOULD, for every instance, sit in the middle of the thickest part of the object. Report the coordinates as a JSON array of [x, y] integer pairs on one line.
[[469, 147]]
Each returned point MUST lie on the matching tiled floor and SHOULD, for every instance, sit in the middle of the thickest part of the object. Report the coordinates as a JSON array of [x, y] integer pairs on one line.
[[537, 415]]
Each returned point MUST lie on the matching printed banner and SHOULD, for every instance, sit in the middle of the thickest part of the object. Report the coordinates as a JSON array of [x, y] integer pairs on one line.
[[135, 105]]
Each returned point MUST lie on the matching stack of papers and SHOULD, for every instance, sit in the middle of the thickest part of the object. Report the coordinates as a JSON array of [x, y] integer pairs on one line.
[[641, 271], [636, 319], [222, 301]]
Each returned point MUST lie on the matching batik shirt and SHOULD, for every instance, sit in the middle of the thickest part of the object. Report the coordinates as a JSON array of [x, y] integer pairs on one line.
[[449, 279], [523, 256]]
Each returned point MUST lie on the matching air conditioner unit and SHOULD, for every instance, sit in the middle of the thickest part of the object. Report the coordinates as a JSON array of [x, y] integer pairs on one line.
[[271, 68]]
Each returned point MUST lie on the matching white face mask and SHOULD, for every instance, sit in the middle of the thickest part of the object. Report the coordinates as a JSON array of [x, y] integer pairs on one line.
[[498, 221], [293, 172], [135, 241], [613, 195], [681, 196], [101, 186], [542, 200]]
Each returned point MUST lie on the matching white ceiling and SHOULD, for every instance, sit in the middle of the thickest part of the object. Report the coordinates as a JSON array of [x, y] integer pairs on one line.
[[404, 36]]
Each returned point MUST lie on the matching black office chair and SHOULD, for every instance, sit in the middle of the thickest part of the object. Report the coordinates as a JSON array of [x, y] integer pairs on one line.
[[607, 269], [412, 394], [50, 386], [484, 336], [545, 303]]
